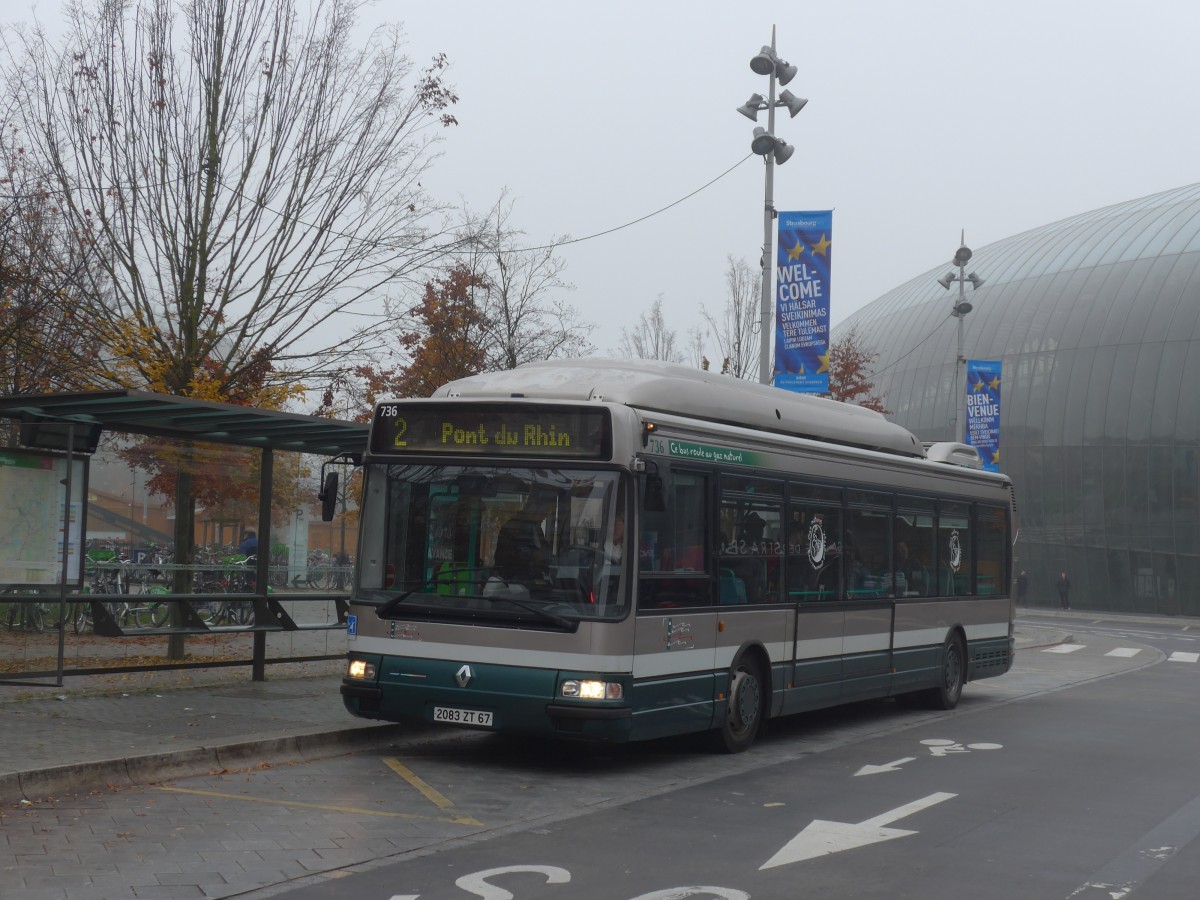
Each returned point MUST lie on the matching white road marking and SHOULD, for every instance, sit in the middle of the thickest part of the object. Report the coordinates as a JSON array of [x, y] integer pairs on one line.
[[477, 882], [822, 838], [893, 766], [1180, 656], [1064, 648], [1124, 652]]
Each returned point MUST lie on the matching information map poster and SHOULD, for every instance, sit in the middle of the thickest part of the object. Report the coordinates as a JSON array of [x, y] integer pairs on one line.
[[33, 517], [983, 410], [802, 271]]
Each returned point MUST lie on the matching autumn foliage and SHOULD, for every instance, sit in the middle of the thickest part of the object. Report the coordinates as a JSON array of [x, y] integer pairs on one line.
[[443, 338], [850, 366]]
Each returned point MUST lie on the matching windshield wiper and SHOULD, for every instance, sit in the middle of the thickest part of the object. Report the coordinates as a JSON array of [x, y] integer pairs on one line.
[[439, 579], [388, 609], [536, 610]]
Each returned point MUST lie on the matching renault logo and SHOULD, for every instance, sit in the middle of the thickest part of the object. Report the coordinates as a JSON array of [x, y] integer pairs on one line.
[[464, 676]]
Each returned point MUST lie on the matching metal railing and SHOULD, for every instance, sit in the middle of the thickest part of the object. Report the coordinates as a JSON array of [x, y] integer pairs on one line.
[[47, 634]]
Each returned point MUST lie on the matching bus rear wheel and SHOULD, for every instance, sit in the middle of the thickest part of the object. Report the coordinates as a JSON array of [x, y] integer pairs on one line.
[[744, 707], [952, 678]]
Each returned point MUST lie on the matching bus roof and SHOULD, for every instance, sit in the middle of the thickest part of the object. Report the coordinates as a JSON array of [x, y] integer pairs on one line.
[[660, 387]]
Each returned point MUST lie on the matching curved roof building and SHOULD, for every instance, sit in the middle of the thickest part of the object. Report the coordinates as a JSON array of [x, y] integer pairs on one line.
[[1097, 321]]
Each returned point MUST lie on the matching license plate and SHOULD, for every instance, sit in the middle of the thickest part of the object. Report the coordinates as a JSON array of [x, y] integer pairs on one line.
[[462, 716]]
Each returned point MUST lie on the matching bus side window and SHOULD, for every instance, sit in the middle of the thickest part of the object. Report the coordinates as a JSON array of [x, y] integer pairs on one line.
[[672, 551], [754, 556], [814, 552]]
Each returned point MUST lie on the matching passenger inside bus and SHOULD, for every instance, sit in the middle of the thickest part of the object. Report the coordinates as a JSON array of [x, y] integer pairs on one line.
[[522, 551]]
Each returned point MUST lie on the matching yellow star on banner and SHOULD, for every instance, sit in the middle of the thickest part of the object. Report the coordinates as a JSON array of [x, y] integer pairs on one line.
[[824, 363], [794, 252], [996, 458], [821, 247], [978, 385], [994, 384]]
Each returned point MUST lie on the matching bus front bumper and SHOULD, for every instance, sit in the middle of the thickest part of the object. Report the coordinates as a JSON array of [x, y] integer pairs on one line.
[[506, 699]]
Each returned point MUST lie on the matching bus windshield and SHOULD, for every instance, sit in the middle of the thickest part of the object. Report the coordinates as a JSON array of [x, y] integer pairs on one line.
[[501, 542]]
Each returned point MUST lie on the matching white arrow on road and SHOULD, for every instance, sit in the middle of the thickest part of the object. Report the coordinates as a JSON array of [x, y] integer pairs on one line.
[[821, 838], [886, 767]]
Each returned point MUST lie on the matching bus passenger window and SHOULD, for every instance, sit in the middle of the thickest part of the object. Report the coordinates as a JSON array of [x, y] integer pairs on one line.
[[954, 549], [750, 563], [814, 553], [672, 556], [868, 546]]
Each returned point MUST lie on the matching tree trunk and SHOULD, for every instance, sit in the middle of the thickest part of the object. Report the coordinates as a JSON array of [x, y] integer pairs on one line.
[[185, 542]]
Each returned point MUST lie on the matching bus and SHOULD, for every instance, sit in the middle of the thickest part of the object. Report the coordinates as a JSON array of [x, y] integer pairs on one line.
[[619, 550]]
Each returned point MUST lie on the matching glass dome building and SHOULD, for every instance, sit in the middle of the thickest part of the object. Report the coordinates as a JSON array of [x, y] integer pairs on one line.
[[1097, 321]]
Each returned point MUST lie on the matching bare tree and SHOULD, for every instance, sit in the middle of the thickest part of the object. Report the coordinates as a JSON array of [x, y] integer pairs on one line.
[[651, 339], [737, 328], [525, 314], [42, 342], [694, 351], [243, 171]]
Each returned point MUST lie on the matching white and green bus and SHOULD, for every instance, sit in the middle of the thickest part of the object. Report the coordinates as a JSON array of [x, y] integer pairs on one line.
[[617, 550]]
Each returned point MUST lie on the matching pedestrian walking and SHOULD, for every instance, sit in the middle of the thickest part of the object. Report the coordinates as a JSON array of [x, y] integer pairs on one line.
[[1022, 587], [1064, 590]]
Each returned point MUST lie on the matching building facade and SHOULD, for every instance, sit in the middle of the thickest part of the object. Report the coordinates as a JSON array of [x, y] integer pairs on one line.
[[1097, 322]]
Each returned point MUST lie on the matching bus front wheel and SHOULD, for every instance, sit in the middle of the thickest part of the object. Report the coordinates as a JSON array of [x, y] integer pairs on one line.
[[744, 707]]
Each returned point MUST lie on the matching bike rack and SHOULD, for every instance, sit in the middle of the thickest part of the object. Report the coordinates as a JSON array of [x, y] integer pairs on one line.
[[269, 615]]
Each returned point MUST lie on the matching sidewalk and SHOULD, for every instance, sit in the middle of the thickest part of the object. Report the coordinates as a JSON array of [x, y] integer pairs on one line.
[[162, 725], [65, 740]]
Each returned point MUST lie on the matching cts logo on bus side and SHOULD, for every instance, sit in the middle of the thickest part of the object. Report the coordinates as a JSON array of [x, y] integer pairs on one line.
[[816, 544], [955, 551]]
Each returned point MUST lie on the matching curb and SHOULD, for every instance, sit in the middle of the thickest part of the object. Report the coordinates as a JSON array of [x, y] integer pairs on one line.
[[114, 774], [1052, 639]]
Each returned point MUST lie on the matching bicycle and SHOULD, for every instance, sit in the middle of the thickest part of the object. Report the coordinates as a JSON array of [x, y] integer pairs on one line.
[[25, 616], [240, 579], [150, 613], [279, 566]]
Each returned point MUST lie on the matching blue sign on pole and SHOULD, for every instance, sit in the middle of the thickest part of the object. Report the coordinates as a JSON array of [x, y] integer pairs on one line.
[[802, 301], [983, 410]]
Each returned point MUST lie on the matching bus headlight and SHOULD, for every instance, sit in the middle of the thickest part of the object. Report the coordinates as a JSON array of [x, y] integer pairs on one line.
[[593, 690], [360, 668]]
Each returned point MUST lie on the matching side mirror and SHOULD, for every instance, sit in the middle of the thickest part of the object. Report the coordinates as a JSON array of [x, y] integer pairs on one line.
[[328, 497]]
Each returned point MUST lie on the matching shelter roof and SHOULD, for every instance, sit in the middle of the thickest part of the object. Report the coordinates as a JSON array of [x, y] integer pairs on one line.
[[182, 418]]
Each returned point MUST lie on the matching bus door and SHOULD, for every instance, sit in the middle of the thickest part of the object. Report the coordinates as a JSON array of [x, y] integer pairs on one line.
[[814, 587], [869, 571], [675, 657]]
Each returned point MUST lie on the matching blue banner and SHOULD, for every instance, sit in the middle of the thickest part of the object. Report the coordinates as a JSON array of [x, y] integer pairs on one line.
[[983, 410], [802, 301]]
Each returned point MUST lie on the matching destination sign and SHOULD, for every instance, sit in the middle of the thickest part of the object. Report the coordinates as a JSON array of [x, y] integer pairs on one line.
[[492, 430]]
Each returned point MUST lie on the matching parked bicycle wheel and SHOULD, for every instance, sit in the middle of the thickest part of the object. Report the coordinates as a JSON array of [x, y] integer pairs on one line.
[[239, 612], [150, 612], [160, 613], [25, 616], [81, 617]]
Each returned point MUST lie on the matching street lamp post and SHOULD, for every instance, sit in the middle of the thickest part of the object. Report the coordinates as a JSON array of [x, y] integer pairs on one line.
[[772, 150], [962, 256]]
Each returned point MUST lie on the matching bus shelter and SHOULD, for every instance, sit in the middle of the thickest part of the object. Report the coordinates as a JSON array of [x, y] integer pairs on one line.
[[67, 427]]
